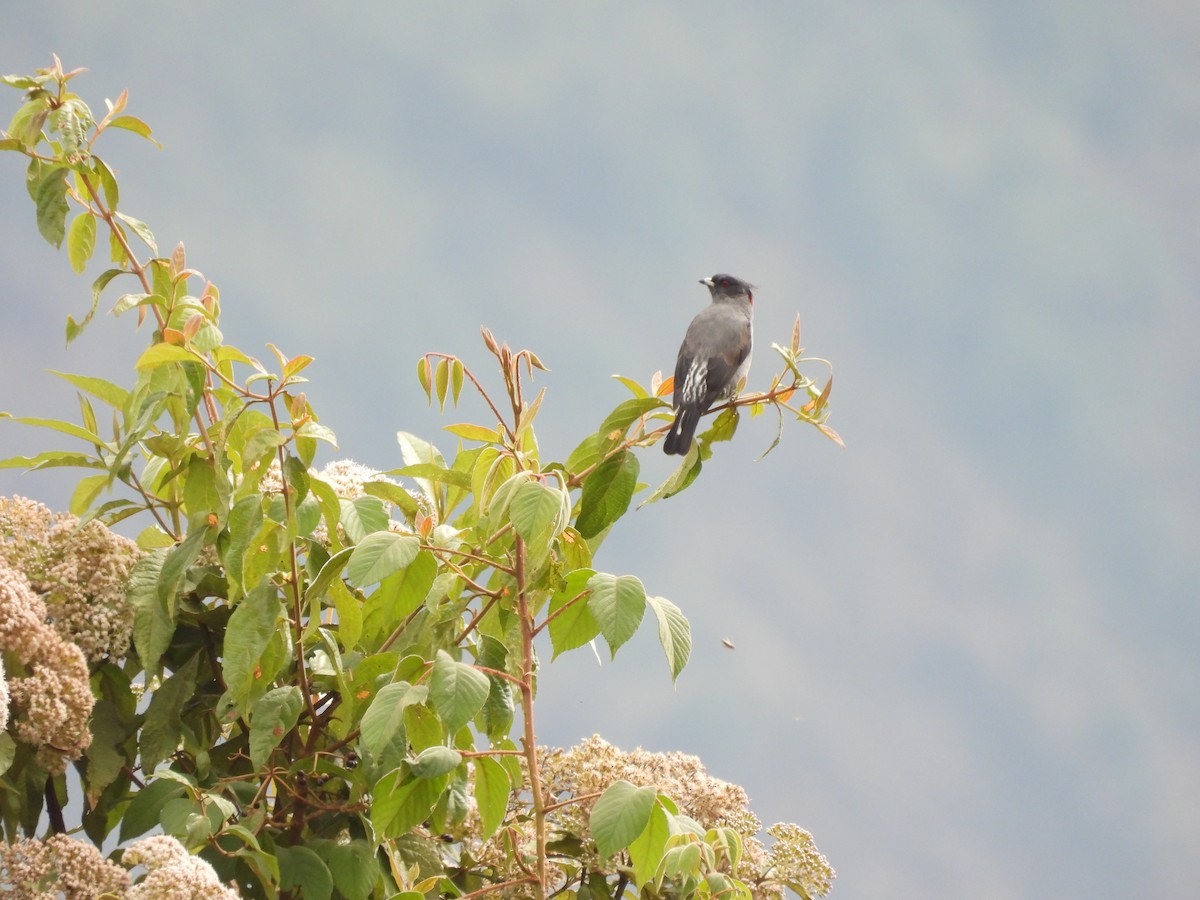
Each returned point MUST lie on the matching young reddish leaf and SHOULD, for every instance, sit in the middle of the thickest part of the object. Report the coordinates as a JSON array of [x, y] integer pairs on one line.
[[796, 335], [832, 435], [667, 387], [178, 260]]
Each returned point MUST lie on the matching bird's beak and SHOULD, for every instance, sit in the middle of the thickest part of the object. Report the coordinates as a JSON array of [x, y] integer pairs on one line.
[[707, 281]]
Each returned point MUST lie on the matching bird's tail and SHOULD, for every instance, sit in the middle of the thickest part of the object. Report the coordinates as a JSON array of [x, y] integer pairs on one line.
[[679, 438]]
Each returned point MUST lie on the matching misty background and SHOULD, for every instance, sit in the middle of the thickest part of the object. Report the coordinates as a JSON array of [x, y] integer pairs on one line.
[[966, 645]]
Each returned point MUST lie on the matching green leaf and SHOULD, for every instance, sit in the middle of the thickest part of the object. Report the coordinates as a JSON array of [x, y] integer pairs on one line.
[[86, 491], [456, 690], [383, 723], [50, 195], [142, 813], [300, 867], [434, 472], [574, 626], [626, 413], [363, 516], [136, 125], [537, 512], [394, 494], [619, 816], [162, 354], [330, 571], [498, 708], [57, 425], [141, 229], [110, 393], [379, 555], [244, 522], [402, 592], [492, 787], [163, 728], [179, 559], [81, 240], [353, 865], [398, 807], [679, 480], [606, 493], [274, 715], [674, 633], [433, 762], [247, 637], [261, 442], [422, 727], [153, 625], [618, 603], [469, 432], [647, 849], [52, 459]]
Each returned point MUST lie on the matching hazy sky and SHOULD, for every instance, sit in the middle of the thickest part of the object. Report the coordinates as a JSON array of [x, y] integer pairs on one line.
[[966, 644]]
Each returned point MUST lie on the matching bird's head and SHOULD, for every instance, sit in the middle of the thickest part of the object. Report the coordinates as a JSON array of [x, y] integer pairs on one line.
[[725, 288]]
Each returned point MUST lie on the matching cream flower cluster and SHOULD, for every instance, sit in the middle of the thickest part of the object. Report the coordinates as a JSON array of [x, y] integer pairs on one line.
[[172, 873], [58, 867], [80, 572], [62, 867], [52, 700]]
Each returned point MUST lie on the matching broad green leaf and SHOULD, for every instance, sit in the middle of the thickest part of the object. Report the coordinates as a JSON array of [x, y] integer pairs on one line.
[[606, 493], [422, 727], [435, 473], [262, 442], [353, 865], [492, 788], [245, 520], [86, 491], [383, 722], [674, 633], [349, 614], [587, 454], [274, 715], [162, 354], [178, 560], [51, 199], [679, 480], [536, 511], [394, 494], [141, 229], [247, 637], [142, 813], [400, 805], [81, 240], [498, 708], [379, 555], [456, 690], [300, 867], [620, 814], [626, 413], [163, 727], [646, 850], [114, 395], [329, 572], [363, 516], [153, 625], [574, 626], [402, 592], [618, 603], [136, 125], [105, 755], [470, 432], [433, 762]]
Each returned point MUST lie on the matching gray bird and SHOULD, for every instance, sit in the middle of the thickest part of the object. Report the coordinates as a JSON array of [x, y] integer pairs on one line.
[[713, 359]]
